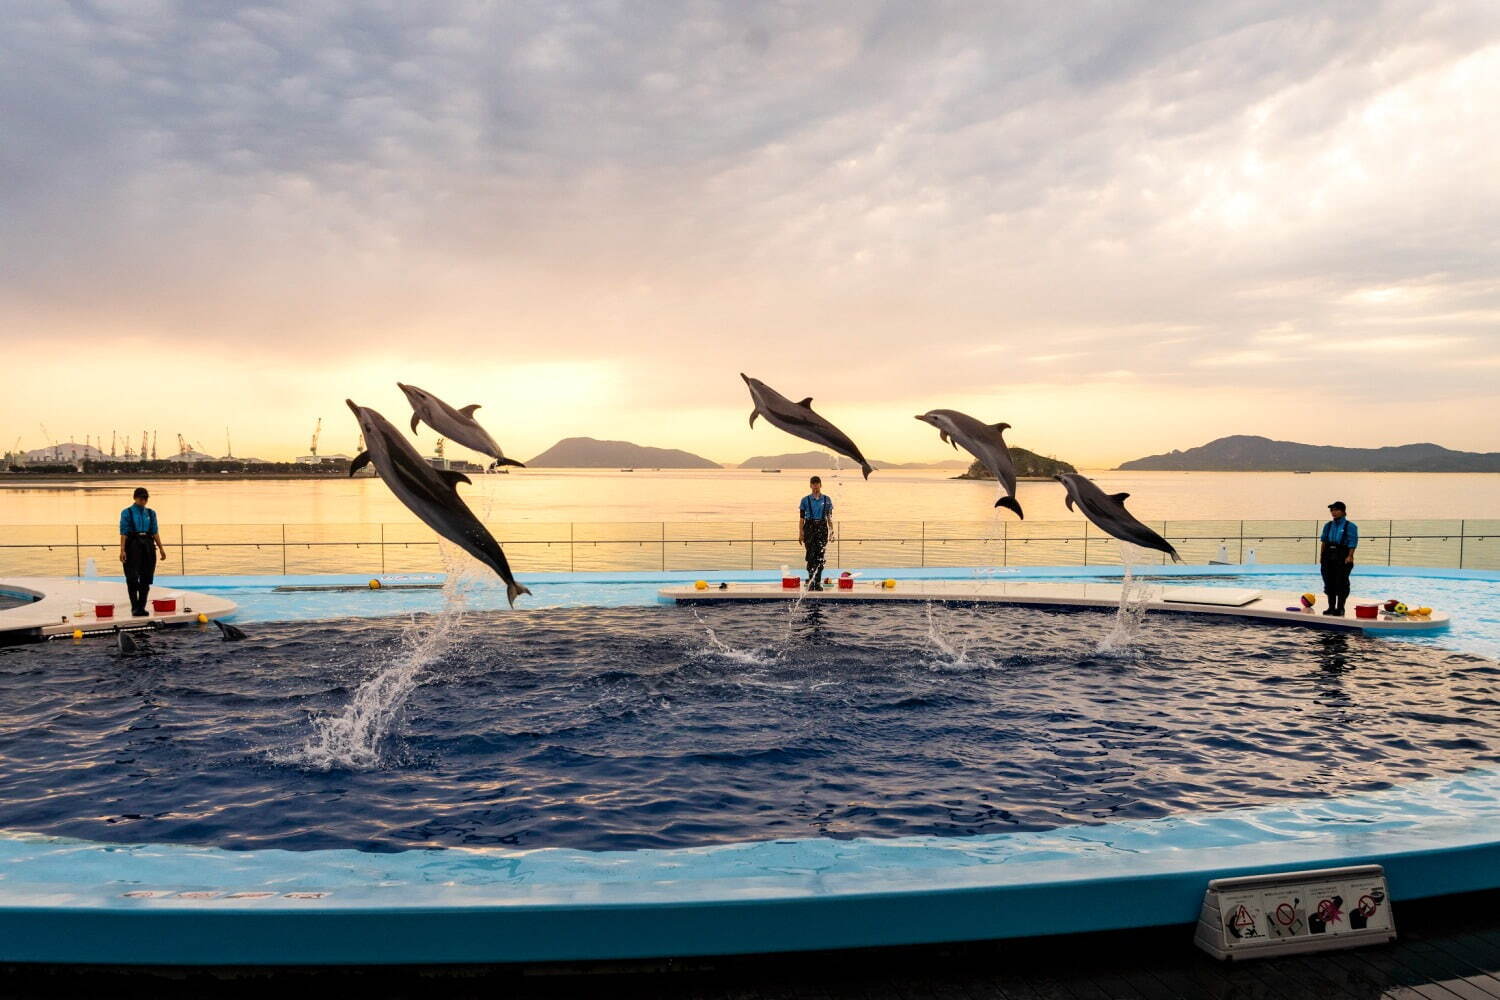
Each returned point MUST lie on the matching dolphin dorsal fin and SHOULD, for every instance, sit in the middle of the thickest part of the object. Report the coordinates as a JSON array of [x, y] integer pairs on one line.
[[999, 428], [806, 402], [468, 411], [454, 478], [360, 461], [1119, 498]]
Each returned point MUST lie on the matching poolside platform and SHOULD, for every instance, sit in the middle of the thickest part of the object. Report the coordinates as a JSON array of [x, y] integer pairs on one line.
[[1246, 604], [60, 606]]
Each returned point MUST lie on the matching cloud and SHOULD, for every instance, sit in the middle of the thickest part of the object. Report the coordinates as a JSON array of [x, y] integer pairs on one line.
[[848, 197]]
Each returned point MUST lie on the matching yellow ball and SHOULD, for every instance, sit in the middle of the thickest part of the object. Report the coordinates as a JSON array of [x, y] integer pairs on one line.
[[78, 633], [700, 584], [374, 584], [202, 619], [1308, 600], [889, 585]]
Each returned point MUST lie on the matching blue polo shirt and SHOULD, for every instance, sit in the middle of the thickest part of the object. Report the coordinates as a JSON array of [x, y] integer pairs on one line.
[[816, 508], [1341, 531], [134, 519]]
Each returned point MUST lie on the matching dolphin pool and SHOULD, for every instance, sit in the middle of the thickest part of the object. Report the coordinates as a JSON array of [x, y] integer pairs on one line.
[[746, 767]]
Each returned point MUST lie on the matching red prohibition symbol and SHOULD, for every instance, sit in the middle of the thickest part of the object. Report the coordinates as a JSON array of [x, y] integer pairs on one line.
[[1367, 907], [1285, 914]]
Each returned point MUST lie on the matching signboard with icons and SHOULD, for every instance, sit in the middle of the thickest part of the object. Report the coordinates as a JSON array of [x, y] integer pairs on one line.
[[1290, 912]]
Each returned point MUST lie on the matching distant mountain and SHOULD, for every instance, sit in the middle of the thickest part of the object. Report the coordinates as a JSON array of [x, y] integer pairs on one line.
[[821, 460], [1251, 453], [588, 453], [1029, 465]]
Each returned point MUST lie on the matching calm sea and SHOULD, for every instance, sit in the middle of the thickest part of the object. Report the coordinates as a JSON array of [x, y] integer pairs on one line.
[[736, 495]]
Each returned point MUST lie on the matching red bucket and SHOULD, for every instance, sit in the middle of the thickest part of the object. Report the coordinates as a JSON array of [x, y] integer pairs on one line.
[[104, 611], [846, 582], [164, 606], [791, 582], [1366, 610]]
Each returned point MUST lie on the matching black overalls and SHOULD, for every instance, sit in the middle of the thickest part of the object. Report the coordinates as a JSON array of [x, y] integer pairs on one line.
[[1335, 569], [815, 542], [140, 559]]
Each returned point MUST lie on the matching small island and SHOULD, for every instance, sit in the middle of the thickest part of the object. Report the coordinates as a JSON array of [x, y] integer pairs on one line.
[[590, 453], [1029, 465], [1253, 453]]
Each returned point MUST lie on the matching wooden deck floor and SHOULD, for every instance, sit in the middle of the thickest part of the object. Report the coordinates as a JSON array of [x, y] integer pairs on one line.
[[1449, 950]]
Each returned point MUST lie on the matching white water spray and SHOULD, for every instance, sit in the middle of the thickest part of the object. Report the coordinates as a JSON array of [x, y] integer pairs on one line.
[[354, 737], [1134, 596]]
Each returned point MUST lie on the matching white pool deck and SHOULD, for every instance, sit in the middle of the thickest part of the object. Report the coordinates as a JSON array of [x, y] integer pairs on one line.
[[1262, 606], [63, 605]]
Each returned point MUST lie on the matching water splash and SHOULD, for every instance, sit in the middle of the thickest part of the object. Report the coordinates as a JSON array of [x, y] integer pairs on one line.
[[951, 644], [718, 647], [1135, 594], [355, 737]]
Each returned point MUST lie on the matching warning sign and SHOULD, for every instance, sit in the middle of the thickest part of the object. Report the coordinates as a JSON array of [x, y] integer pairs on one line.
[[1368, 907], [1286, 912], [1244, 919], [1326, 909]]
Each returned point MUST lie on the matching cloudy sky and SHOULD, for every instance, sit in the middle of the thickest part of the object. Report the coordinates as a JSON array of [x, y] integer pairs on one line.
[[1120, 227]]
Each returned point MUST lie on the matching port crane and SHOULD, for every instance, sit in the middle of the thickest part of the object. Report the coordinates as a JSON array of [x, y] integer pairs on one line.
[[183, 446], [312, 449]]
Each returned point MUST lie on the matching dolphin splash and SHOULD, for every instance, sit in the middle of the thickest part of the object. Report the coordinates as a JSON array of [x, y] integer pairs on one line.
[[456, 425], [799, 420], [1109, 515], [985, 442], [429, 493]]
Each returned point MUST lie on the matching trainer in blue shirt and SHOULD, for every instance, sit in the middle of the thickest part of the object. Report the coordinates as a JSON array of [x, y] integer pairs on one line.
[[1338, 541], [817, 514], [140, 541]]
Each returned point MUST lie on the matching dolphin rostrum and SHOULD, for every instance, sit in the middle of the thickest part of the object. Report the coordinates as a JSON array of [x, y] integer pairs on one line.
[[1109, 514], [799, 420], [455, 425], [429, 493], [985, 442]]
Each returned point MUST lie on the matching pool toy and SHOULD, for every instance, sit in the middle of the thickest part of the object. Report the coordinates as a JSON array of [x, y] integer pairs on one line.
[[700, 584], [202, 619], [889, 585], [78, 633], [1308, 600], [374, 584], [1399, 609]]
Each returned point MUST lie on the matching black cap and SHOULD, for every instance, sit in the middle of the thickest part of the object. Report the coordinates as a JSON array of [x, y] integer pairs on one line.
[[1336, 505]]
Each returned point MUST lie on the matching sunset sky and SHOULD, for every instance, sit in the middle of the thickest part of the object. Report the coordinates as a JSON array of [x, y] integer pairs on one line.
[[1120, 227]]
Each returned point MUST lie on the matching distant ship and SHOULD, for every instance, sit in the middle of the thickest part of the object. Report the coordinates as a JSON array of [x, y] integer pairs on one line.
[[770, 470]]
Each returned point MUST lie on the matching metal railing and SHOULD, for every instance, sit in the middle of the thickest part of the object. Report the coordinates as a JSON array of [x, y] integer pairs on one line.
[[297, 549]]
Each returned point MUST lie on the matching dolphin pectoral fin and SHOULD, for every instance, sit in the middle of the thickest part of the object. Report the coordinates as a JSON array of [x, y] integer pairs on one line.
[[514, 590], [360, 461], [1068, 501], [468, 411], [806, 402], [414, 419], [454, 478], [753, 414], [943, 437], [1119, 498], [1010, 503]]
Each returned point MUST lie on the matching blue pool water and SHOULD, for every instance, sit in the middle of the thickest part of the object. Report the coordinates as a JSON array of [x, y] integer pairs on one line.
[[631, 727]]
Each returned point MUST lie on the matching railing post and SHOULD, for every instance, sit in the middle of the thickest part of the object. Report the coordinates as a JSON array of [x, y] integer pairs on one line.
[[664, 546], [382, 548], [570, 547], [283, 549], [1004, 543], [922, 557], [1390, 537], [181, 550], [752, 546], [1085, 543], [77, 556], [1461, 528], [1241, 557]]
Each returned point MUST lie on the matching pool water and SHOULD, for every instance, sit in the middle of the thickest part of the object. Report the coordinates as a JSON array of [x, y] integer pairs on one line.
[[620, 728]]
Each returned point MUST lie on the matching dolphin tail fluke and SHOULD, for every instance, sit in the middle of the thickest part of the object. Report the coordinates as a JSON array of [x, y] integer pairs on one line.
[[1173, 553], [866, 469], [514, 590], [502, 460], [360, 461], [1010, 503]]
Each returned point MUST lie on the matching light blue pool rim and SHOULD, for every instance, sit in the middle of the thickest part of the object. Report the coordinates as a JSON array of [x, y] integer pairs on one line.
[[83, 902]]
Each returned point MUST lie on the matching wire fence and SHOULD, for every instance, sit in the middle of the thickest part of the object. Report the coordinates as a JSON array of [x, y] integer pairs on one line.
[[295, 549]]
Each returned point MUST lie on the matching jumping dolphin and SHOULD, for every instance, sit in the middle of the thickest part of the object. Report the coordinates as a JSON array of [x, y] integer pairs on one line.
[[430, 494], [228, 631], [799, 420], [456, 425], [985, 442], [1109, 514]]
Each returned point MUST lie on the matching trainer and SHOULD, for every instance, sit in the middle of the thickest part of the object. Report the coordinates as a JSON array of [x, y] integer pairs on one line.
[[1339, 539], [140, 541], [817, 515]]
